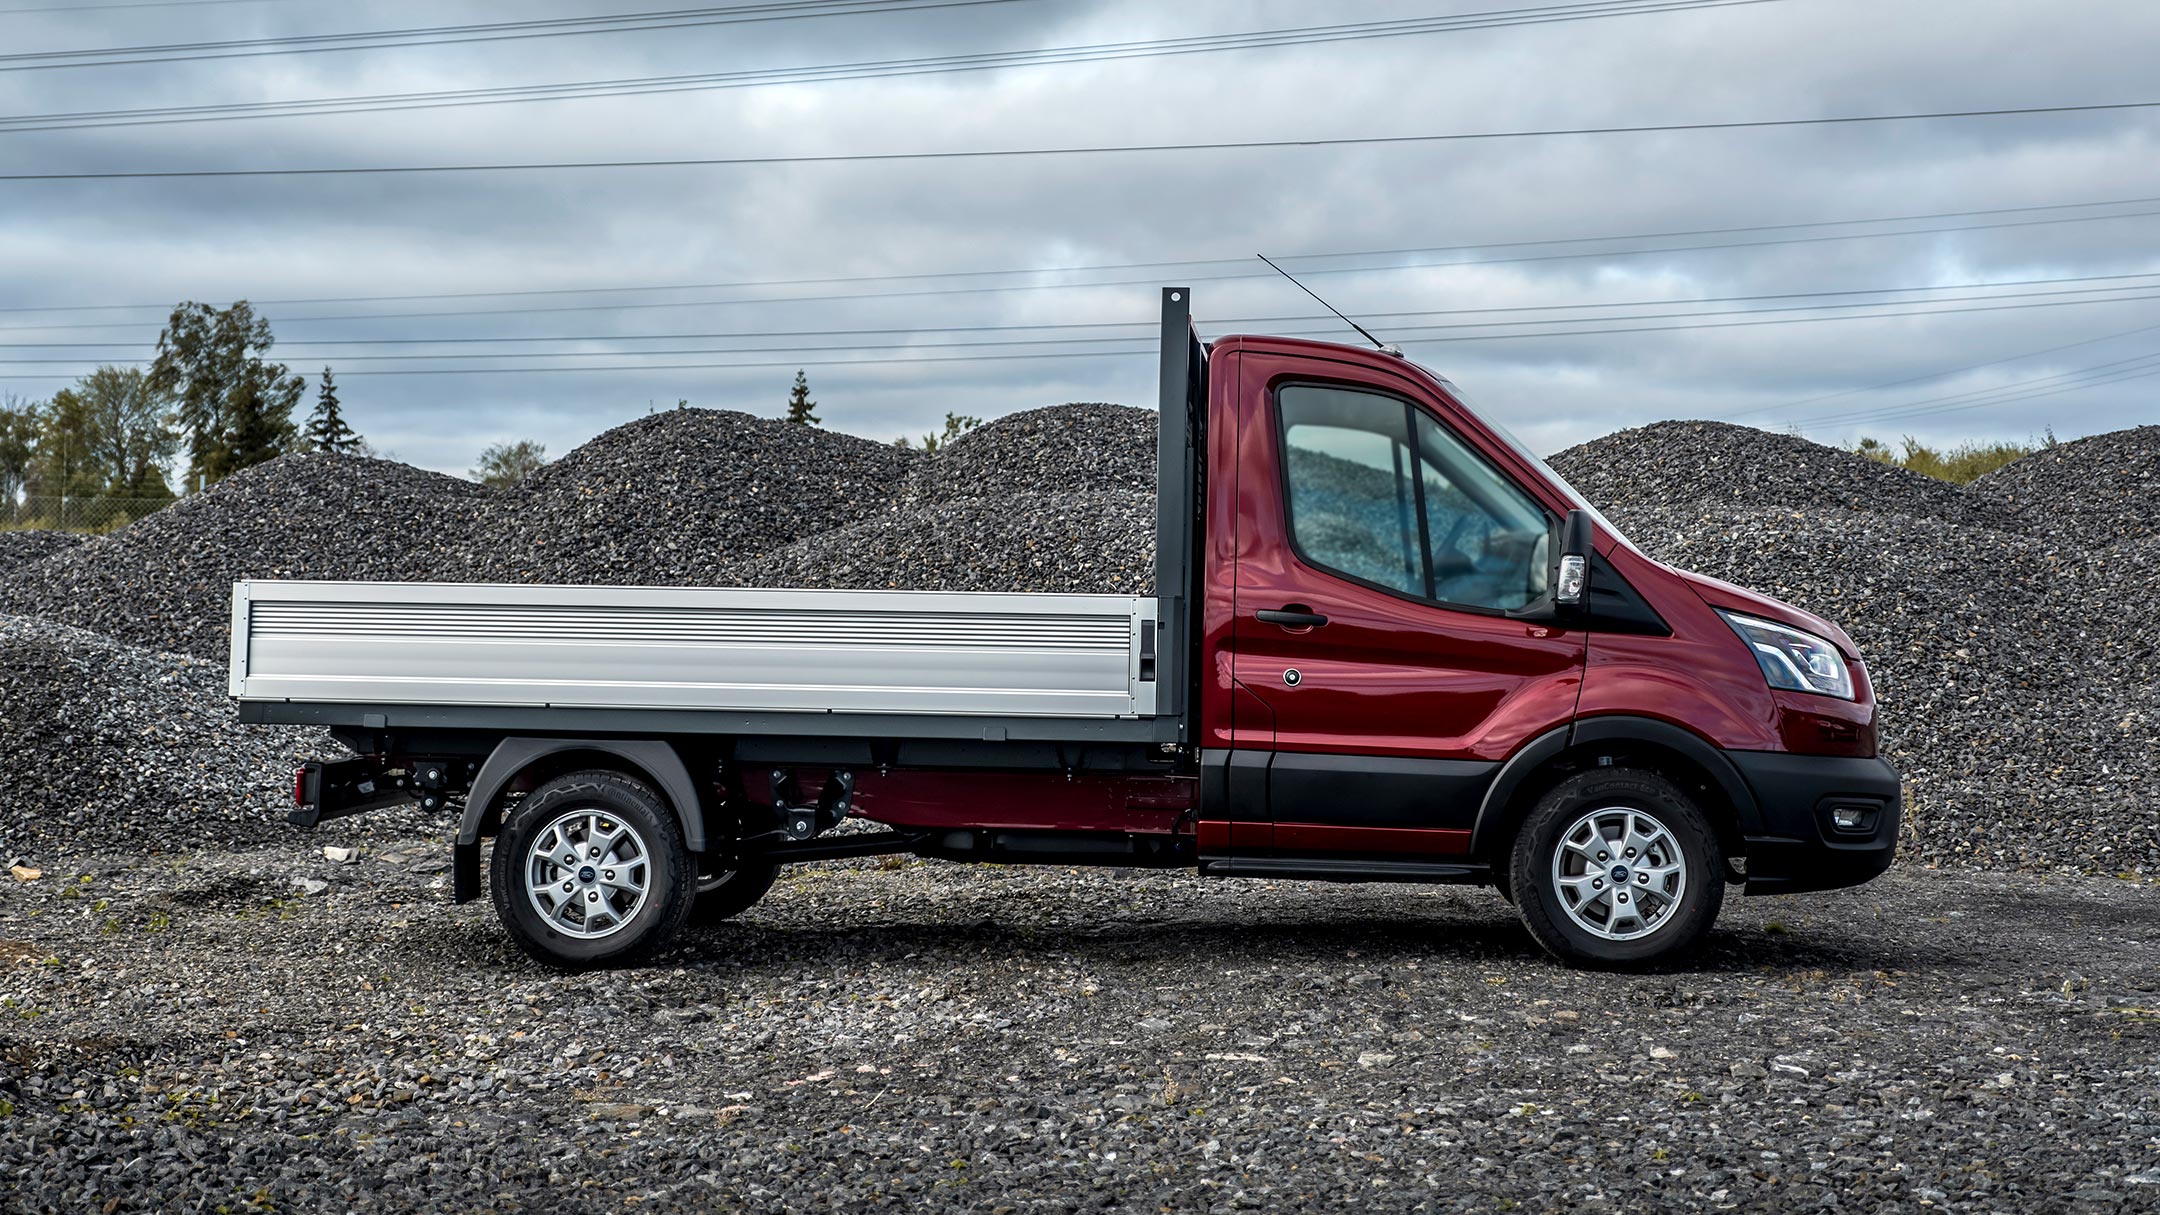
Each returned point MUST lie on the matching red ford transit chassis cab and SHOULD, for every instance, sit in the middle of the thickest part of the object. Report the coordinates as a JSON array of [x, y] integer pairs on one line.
[[1386, 643]]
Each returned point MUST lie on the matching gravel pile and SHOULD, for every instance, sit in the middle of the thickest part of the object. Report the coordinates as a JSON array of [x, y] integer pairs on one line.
[[105, 745], [1085, 542], [671, 498], [2093, 491], [165, 581], [1060, 449], [2026, 725], [1700, 465], [21, 547], [2022, 712]]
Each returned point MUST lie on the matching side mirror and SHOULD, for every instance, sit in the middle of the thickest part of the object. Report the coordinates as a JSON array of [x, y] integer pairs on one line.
[[1571, 589]]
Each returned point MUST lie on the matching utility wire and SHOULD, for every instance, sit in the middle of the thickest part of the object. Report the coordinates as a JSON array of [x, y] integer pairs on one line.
[[1943, 375], [1436, 334], [2036, 394], [1082, 149], [1978, 397], [253, 48], [863, 70], [1379, 318], [92, 8], [1204, 263]]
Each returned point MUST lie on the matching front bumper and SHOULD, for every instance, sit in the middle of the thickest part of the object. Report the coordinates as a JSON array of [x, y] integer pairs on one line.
[[1797, 844]]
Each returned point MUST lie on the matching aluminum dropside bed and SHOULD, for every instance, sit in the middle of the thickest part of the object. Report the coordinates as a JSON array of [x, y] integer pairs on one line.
[[735, 651]]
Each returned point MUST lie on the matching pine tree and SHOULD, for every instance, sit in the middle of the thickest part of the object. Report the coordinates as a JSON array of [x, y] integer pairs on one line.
[[800, 408], [326, 428]]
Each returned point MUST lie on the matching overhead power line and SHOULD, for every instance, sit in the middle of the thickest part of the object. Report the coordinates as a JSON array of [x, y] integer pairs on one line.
[[92, 8], [444, 35], [2098, 376], [1948, 373], [1193, 271], [861, 70], [1197, 265], [1084, 149], [1054, 330], [1452, 333]]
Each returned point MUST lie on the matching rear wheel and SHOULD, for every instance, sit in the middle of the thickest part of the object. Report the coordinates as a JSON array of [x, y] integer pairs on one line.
[[1616, 867], [591, 871], [723, 893]]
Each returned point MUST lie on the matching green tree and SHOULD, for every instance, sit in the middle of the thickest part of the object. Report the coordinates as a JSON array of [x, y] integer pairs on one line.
[[127, 430], [326, 428], [503, 465], [956, 424], [800, 408], [19, 425], [234, 408]]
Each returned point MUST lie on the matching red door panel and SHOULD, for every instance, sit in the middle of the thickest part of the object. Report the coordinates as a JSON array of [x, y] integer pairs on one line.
[[1432, 697]]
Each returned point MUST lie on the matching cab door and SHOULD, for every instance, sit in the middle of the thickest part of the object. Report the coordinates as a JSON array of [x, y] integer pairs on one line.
[[1380, 552]]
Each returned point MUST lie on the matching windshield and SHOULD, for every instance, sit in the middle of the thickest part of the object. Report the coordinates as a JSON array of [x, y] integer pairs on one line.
[[1531, 458]]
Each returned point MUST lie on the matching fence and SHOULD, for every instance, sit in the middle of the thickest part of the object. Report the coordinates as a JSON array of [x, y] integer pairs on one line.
[[76, 514]]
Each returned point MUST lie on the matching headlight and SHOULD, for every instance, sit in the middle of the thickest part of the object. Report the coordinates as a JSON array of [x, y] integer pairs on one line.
[[1792, 659]]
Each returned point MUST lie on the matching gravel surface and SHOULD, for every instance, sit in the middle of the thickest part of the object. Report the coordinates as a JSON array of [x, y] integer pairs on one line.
[[1058, 449], [201, 1035], [2094, 490], [671, 498], [2027, 728], [1706, 464], [166, 580], [25, 545], [1088, 542], [108, 745]]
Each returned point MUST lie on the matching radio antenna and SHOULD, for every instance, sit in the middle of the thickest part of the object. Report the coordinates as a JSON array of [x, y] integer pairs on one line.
[[1378, 345]]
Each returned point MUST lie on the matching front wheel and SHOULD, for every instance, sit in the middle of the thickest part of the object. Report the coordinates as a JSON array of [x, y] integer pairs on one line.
[[591, 871], [1616, 867]]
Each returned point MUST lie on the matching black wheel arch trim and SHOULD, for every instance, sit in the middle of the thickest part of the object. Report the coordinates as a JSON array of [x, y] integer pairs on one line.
[[655, 759], [1493, 813]]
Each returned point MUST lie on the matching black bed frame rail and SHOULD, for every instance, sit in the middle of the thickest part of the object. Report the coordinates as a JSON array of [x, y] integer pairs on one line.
[[1180, 471]]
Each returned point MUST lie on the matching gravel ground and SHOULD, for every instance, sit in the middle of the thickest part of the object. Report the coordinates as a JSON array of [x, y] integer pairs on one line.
[[198, 1035]]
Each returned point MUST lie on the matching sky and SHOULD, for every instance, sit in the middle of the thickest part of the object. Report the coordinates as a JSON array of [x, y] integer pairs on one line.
[[1534, 271]]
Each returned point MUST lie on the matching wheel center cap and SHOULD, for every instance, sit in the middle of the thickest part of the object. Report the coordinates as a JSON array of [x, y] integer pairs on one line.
[[1619, 875], [588, 875]]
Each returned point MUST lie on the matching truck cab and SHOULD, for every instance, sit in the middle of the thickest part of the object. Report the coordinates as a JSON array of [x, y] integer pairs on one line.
[[1393, 685], [1386, 643]]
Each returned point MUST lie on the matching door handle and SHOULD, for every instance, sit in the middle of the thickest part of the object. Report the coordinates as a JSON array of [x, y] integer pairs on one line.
[[1291, 616]]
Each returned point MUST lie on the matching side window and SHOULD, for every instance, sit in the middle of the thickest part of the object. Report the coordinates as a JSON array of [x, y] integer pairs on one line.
[[1353, 502], [1382, 493], [1489, 542]]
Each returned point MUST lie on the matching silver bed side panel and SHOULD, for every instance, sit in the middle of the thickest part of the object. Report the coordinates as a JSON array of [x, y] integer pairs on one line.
[[691, 648]]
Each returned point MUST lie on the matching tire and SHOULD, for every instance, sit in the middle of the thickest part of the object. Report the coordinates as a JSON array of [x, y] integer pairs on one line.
[[604, 915], [1573, 903], [730, 892]]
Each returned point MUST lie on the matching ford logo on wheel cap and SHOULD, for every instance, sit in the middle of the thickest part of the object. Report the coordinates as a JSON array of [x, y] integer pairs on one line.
[[1619, 875], [587, 874]]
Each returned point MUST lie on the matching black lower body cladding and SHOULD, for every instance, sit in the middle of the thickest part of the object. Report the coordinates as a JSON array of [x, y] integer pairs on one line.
[[1827, 821]]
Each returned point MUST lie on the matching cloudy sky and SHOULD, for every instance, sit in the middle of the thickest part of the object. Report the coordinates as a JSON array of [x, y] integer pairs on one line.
[[2004, 280]]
